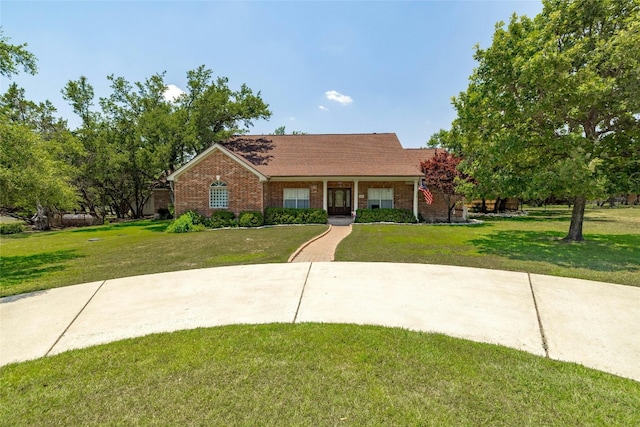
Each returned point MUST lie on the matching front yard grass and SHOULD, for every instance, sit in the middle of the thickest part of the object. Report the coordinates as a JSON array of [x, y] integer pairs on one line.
[[529, 243], [310, 374], [35, 261]]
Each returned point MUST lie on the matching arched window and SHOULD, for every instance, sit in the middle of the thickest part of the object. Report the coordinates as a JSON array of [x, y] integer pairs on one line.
[[218, 195]]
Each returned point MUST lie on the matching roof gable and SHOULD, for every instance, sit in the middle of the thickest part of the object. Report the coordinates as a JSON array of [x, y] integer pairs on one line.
[[217, 147]]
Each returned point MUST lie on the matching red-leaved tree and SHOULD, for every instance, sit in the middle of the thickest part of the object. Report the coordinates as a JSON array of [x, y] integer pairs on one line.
[[441, 172]]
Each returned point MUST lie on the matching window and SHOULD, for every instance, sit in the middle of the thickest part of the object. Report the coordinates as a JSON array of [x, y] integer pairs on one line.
[[297, 198], [380, 198], [218, 195]]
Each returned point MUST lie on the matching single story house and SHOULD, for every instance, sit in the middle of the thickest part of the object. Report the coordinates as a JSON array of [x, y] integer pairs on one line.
[[337, 173]]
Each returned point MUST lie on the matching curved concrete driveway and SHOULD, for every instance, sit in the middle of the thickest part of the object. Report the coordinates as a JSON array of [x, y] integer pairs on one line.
[[591, 323]]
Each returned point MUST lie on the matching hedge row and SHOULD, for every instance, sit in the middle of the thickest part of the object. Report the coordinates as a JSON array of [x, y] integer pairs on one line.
[[275, 216], [11, 227], [193, 221], [385, 215]]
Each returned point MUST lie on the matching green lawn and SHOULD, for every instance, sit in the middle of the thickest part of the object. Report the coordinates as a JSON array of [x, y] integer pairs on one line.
[[310, 374], [530, 243], [34, 261]]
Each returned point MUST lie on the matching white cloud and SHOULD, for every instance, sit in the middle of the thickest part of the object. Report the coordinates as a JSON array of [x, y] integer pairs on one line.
[[323, 108], [333, 95], [172, 92]]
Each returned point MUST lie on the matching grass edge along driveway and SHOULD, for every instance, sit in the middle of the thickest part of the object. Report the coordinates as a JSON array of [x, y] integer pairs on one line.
[[531, 244], [36, 261], [310, 374]]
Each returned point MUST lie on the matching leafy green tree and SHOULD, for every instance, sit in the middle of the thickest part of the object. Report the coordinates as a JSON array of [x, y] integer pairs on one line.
[[139, 137], [282, 131], [32, 177], [14, 56], [212, 112], [35, 147], [553, 105]]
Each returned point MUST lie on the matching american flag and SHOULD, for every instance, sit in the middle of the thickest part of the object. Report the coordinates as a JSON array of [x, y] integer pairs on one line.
[[428, 197]]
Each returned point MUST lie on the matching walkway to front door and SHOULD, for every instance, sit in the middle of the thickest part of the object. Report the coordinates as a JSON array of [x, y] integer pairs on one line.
[[339, 201], [323, 247]]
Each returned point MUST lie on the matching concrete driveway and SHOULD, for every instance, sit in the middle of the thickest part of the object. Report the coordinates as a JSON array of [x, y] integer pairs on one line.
[[591, 323]]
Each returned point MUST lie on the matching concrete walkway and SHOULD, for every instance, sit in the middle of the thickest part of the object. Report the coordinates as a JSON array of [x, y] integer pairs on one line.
[[591, 323], [321, 248]]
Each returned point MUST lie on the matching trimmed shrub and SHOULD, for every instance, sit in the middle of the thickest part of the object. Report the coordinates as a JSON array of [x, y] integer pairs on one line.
[[385, 215], [221, 219], [189, 221], [11, 227], [250, 219], [277, 216]]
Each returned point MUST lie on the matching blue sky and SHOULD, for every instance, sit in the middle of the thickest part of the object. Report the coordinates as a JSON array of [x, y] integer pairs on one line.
[[323, 67]]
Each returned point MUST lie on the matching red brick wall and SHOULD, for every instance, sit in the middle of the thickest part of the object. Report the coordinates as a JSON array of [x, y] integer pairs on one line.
[[437, 211], [191, 188], [275, 191], [161, 198]]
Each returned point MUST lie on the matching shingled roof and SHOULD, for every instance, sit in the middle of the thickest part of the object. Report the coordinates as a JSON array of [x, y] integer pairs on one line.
[[377, 154]]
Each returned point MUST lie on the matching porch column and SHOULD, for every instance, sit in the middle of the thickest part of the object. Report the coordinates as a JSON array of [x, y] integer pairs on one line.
[[355, 195], [415, 199], [325, 204]]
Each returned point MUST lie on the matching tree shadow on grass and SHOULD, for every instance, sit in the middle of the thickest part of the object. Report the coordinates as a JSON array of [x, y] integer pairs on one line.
[[113, 226], [155, 226], [19, 269], [159, 227], [538, 216], [599, 252]]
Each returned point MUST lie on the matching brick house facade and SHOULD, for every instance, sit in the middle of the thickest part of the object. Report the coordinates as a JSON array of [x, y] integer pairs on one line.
[[337, 173]]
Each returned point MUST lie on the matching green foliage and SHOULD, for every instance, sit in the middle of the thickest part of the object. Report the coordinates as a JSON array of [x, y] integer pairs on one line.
[[11, 227], [32, 169], [221, 219], [385, 215], [212, 112], [281, 131], [553, 102], [276, 216], [189, 221], [13, 56], [250, 219], [139, 137]]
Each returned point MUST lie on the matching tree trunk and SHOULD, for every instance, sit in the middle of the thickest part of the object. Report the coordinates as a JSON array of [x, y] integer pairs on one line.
[[42, 220], [496, 205], [577, 218]]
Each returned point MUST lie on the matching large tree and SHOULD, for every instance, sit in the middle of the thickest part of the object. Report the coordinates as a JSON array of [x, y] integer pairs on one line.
[[138, 137], [553, 107], [36, 148]]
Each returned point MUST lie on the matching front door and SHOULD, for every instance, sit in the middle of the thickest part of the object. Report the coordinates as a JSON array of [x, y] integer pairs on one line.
[[339, 201]]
